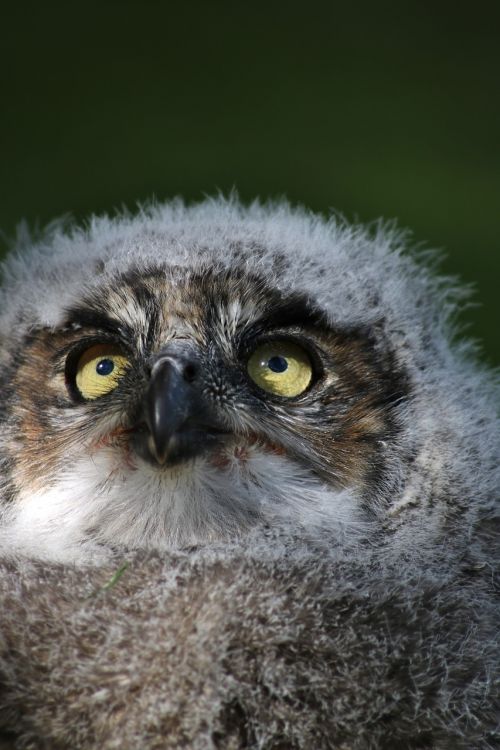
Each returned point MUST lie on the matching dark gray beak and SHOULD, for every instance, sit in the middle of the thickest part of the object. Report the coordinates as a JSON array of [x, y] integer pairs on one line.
[[180, 424]]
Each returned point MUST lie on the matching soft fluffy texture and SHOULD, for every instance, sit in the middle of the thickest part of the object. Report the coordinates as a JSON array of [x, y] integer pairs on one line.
[[285, 637], [448, 435], [249, 649]]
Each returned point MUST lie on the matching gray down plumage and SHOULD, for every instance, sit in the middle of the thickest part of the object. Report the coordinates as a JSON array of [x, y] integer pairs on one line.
[[233, 650], [288, 637]]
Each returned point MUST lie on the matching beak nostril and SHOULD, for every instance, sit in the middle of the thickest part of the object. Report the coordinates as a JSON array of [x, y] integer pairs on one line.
[[189, 372]]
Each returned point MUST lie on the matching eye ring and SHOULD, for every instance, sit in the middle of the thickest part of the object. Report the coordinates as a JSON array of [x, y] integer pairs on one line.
[[281, 367], [98, 370]]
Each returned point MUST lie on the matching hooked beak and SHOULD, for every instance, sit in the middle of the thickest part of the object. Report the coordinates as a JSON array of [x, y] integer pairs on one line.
[[179, 423]]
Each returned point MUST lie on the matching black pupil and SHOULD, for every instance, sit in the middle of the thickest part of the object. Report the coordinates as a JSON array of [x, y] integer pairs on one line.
[[105, 367], [277, 364]]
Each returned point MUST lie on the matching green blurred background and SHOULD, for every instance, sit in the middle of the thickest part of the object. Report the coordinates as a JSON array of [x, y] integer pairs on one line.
[[375, 109]]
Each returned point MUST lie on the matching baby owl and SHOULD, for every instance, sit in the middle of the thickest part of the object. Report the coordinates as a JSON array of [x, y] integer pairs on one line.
[[219, 387], [173, 380]]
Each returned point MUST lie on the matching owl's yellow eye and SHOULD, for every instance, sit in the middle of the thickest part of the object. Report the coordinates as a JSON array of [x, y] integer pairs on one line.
[[99, 369], [280, 367]]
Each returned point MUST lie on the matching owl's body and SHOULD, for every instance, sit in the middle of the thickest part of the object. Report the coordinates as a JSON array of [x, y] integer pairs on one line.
[[224, 395]]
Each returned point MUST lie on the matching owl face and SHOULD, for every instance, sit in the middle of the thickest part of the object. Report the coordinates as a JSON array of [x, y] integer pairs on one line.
[[172, 407]]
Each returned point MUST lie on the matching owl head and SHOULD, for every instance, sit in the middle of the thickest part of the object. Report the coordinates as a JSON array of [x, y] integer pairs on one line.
[[191, 374]]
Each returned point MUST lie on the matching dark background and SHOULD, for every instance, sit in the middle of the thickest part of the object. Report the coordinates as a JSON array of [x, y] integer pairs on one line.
[[375, 109]]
